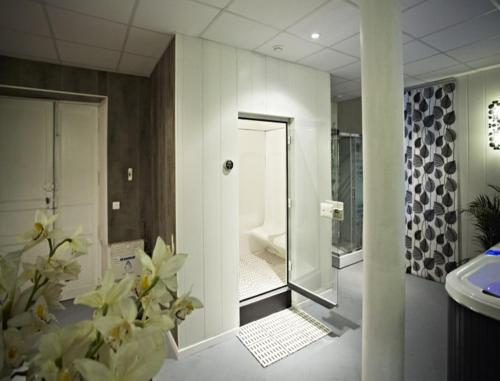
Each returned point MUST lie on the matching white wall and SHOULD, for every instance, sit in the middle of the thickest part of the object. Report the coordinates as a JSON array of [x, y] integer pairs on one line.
[[478, 164], [214, 83]]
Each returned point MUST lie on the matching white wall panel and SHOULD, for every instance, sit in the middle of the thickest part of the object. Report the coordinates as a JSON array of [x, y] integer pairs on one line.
[[189, 179], [213, 83], [230, 313], [477, 162]]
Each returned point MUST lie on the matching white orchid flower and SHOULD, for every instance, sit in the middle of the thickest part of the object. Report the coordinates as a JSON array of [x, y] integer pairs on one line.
[[119, 322], [163, 265], [58, 350], [108, 293], [157, 297], [37, 317], [183, 306], [78, 244], [14, 347], [139, 359], [41, 229]]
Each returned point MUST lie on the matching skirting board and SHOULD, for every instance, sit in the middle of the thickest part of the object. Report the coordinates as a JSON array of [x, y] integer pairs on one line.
[[173, 350], [344, 260]]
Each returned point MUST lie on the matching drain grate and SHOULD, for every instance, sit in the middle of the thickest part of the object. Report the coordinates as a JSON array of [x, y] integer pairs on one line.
[[278, 335]]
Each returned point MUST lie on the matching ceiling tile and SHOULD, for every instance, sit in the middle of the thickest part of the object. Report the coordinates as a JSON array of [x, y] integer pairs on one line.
[[437, 62], [336, 80], [146, 42], [115, 10], [88, 56], [406, 38], [327, 60], [433, 15], [449, 71], [168, 16], [477, 50], [352, 71], [26, 16], [216, 3], [405, 4], [335, 21], [294, 48], [347, 87], [350, 46], [411, 81], [485, 62], [74, 27], [347, 97], [415, 50], [238, 31], [473, 30], [21, 44], [278, 13], [138, 65]]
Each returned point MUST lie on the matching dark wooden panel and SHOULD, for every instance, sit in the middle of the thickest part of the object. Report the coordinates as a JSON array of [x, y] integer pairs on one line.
[[160, 211], [41, 75], [473, 345], [79, 80]]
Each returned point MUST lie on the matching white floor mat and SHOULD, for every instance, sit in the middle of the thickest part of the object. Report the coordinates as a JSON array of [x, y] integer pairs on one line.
[[278, 335], [260, 272]]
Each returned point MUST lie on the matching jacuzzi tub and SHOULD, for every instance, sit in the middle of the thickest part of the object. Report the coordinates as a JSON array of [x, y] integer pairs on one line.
[[474, 319]]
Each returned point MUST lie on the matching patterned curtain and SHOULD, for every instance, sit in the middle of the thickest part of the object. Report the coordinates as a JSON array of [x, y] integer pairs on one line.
[[431, 210]]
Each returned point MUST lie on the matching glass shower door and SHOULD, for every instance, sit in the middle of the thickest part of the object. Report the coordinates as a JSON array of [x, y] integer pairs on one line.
[[311, 273], [348, 188]]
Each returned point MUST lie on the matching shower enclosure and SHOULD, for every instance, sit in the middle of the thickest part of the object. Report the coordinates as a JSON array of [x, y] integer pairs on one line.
[[347, 187]]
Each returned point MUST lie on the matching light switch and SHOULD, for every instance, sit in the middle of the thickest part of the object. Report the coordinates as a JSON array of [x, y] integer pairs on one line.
[[326, 210], [130, 174], [115, 205], [333, 210]]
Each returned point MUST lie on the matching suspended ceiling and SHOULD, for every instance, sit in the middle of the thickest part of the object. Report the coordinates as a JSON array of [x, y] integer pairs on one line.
[[441, 37]]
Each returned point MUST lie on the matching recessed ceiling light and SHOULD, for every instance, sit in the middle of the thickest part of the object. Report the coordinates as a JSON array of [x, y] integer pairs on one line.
[[278, 48], [315, 35]]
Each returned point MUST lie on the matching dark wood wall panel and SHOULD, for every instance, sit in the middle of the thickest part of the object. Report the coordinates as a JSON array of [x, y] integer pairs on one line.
[[128, 125], [160, 208]]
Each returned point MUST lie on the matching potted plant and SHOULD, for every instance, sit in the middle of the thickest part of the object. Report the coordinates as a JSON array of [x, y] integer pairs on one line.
[[124, 340], [485, 212]]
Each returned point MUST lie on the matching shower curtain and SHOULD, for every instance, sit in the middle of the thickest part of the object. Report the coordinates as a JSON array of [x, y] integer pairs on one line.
[[431, 212]]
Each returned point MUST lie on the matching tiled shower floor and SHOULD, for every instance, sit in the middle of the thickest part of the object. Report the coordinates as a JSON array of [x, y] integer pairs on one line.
[[260, 272]]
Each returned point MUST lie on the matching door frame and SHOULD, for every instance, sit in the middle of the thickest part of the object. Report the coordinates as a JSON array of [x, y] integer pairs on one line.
[[272, 292], [290, 285]]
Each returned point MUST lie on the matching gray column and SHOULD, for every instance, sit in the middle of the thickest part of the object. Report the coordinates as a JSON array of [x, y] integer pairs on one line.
[[384, 282]]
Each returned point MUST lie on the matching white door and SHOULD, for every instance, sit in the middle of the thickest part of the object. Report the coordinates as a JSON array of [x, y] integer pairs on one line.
[[49, 160], [26, 166], [76, 187]]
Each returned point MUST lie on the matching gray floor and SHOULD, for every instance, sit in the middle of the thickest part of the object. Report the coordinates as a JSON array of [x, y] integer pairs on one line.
[[334, 358]]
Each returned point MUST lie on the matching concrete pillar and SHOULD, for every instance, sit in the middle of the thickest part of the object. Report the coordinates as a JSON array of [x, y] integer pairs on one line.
[[382, 102]]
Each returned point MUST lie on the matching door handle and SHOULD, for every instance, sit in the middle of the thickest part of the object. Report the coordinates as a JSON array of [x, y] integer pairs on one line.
[[228, 165]]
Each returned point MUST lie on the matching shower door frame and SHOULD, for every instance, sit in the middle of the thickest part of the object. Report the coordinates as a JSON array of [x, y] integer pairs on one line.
[[272, 292], [289, 286]]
